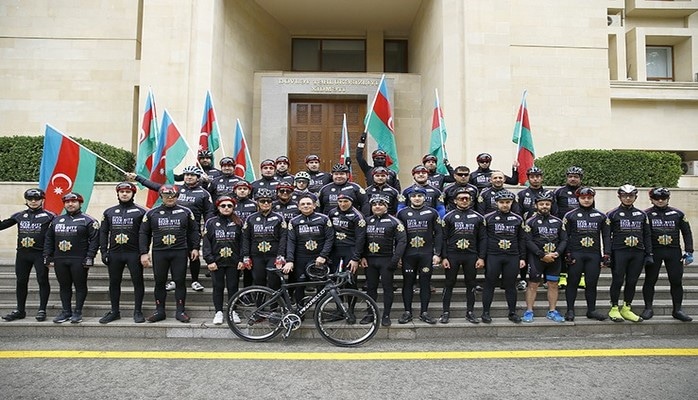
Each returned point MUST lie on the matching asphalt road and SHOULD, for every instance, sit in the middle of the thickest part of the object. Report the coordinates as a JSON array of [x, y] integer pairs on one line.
[[509, 369]]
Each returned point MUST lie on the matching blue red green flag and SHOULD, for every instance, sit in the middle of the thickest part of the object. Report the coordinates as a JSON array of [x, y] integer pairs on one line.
[[170, 152], [526, 154], [379, 124]]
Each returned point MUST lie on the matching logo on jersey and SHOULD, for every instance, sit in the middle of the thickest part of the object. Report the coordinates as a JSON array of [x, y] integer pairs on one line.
[[426, 270], [341, 236], [665, 240], [631, 241], [65, 245], [264, 247], [373, 247], [505, 244], [226, 252], [549, 247], [463, 244], [27, 242], [586, 242], [169, 240], [121, 238], [417, 242], [311, 245]]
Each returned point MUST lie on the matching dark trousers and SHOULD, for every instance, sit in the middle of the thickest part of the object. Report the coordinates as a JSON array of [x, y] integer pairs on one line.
[[224, 278], [70, 272], [671, 257], [117, 263], [24, 262], [588, 264], [380, 270], [413, 265], [164, 263], [466, 262], [508, 268], [627, 266]]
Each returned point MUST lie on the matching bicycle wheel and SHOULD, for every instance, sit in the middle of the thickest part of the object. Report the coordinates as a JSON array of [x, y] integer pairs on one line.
[[344, 329], [259, 315]]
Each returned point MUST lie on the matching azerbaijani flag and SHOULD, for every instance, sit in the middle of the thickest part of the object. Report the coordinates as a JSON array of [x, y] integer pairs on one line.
[[437, 146], [66, 166], [243, 162], [379, 124], [147, 137], [344, 153], [522, 136], [210, 137], [170, 152]]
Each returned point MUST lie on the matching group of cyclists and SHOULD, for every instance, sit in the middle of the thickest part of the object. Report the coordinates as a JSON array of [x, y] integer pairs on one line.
[[463, 222]]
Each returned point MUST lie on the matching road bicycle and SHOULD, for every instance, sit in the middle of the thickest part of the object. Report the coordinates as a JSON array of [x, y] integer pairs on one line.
[[264, 313]]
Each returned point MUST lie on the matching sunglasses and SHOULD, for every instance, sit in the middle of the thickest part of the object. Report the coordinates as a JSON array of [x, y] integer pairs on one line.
[[227, 205], [285, 191], [264, 201], [463, 173]]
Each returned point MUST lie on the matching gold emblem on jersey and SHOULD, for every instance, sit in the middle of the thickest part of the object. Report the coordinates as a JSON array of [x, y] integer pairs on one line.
[[505, 244], [417, 242], [341, 235], [121, 238], [27, 242], [226, 252], [631, 241], [463, 244], [401, 228], [169, 239], [311, 245], [549, 247], [263, 247], [426, 270], [665, 240], [373, 247], [65, 245], [361, 223], [586, 241]]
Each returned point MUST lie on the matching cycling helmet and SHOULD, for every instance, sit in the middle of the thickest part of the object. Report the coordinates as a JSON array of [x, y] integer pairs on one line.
[[379, 154], [534, 171], [380, 170], [574, 170], [34, 194], [659, 193], [302, 175], [465, 190], [126, 186], [73, 196], [227, 161], [504, 195], [263, 193], [345, 196], [545, 195], [484, 158], [585, 191], [222, 199], [267, 163], [282, 159], [242, 183], [168, 190], [627, 189], [192, 170], [312, 157], [284, 185], [415, 190], [379, 198], [419, 168], [317, 271], [340, 168], [429, 157], [205, 154]]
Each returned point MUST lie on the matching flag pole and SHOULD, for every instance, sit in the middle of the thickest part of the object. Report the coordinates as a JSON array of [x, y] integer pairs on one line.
[[441, 127], [373, 103], [519, 117], [88, 150]]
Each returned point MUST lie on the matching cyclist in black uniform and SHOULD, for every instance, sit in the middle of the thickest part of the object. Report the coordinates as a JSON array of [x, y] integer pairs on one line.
[[666, 225], [300, 185], [224, 184], [546, 240], [221, 250], [565, 201], [70, 248], [587, 230], [424, 247], [327, 197], [506, 254], [316, 178], [282, 175], [464, 246], [460, 175], [436, 179], [245, 205], [379, 160], [209, 173], [380, 187], [176, 238], [385, 246], [118, 244], [481, 176], [433, 196], [350, 234], [631, 245], [284, 205], [268, 179], [264, 241], [310, 239], [487, 200], [32, 225]]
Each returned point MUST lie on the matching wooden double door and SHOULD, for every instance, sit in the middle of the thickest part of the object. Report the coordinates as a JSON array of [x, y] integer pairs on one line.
[[315, 127]]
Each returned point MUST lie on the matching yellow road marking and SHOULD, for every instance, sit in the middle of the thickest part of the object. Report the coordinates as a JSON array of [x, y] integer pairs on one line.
[[410, 355]]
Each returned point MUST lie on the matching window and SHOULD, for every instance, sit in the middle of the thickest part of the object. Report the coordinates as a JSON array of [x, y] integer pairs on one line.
[[395, 56], [329, 55], [659, 63]]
